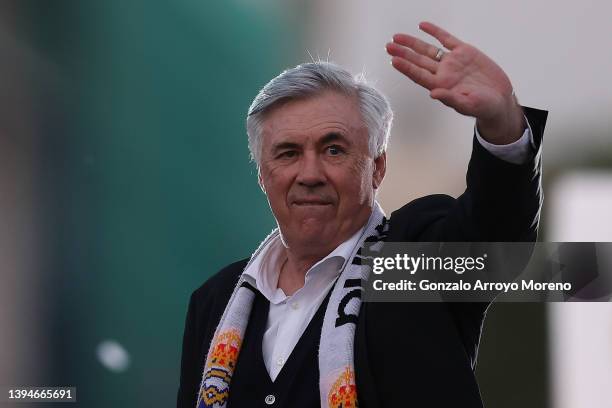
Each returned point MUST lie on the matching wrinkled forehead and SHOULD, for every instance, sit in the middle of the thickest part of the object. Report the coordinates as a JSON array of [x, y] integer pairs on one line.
[[313, 117]]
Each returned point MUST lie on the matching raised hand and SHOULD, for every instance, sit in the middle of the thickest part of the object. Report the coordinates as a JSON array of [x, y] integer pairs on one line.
[[463, 78]]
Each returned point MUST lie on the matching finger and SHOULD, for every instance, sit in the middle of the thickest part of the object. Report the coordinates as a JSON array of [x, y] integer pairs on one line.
[[418, 45], [445, 38], [422, 61], [456, 100], [419, 75]]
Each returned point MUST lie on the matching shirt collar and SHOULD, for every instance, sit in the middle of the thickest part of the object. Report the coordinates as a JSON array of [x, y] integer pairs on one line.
[[264, 270]]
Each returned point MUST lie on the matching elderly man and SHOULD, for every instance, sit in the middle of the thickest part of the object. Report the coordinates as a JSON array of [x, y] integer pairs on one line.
[[287, 327]]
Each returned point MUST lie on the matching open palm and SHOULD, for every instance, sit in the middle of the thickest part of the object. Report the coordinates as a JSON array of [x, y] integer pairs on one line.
[[464, 79]]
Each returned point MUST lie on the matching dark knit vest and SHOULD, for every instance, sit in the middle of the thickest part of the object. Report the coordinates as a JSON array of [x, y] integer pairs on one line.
[[297, 384]]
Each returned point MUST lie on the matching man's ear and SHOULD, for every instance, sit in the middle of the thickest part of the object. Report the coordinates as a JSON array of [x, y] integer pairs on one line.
[[380, 168]]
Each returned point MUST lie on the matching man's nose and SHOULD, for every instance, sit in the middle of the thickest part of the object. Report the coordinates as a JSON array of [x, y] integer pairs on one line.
[[311, 172]]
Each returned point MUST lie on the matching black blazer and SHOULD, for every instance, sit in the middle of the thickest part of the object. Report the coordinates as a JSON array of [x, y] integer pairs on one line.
[[410, 354]]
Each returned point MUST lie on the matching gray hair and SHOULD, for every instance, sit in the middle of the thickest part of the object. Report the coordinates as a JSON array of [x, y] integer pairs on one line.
[[311, 79]]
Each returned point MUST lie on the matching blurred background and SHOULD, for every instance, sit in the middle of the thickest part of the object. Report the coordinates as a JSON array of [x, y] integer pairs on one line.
[[125, 179]]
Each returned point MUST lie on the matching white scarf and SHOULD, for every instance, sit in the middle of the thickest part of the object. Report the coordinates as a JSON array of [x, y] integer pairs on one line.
[[336, 347]]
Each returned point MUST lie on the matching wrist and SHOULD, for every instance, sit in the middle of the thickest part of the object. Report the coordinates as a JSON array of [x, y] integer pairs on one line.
[[506, 128]]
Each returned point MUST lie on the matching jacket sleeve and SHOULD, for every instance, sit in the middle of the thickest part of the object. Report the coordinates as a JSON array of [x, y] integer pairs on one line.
[[501, 203], [190, 360], [502, 200]]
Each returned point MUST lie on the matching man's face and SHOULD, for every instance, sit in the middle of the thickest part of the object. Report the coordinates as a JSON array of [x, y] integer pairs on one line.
[[317, 171]]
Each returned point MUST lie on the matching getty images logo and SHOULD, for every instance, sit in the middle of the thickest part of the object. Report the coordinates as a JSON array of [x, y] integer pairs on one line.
[[413, 264]]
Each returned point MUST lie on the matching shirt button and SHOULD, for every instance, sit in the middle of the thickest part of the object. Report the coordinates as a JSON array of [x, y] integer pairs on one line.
[[270, 399], [280, 361], [295, 305]]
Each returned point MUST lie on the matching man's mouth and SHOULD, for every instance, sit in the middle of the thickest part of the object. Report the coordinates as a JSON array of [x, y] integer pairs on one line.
[[304, 203]]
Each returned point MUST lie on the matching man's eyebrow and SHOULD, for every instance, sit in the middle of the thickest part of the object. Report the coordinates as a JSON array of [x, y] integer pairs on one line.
[[284, 145], [333, 137], [328, 138]]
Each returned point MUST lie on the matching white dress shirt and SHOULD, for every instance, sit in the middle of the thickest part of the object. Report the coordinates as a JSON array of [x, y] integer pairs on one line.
[[289, 316], [517, 152]]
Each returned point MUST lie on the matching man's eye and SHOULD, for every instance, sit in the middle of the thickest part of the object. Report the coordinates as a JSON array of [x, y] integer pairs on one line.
[[335, 150]]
